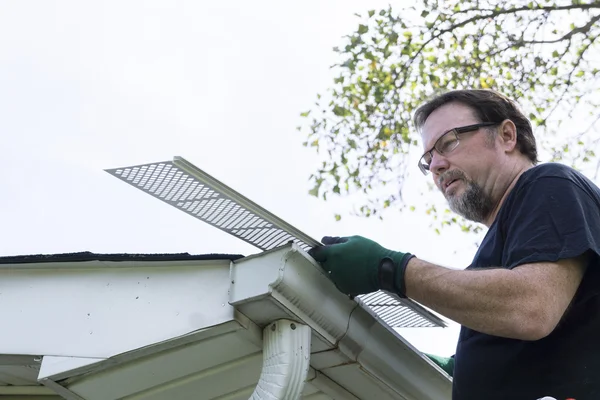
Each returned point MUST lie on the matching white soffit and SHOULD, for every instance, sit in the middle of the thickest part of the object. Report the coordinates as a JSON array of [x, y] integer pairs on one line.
[[184, 186]]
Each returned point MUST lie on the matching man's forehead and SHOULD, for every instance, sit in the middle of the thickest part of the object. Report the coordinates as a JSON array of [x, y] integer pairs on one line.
[[445, 118]]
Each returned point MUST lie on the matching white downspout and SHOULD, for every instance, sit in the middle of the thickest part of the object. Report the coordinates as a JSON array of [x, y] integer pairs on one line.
[[286, 360]]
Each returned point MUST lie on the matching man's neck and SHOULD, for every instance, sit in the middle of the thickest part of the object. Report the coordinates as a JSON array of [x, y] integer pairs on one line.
[[515, 174]]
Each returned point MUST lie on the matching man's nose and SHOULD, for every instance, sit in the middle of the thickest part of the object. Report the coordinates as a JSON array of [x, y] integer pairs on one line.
[[439, 163]]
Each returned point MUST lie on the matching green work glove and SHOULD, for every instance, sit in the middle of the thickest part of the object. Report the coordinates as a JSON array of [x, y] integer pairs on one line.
[[357, 265], [445, 363]]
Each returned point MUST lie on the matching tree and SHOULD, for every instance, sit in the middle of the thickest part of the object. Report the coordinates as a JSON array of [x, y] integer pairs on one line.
[[544, 54]]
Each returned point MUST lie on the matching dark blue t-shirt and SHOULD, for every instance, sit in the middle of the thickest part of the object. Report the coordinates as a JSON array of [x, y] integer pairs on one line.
[[552, 213]]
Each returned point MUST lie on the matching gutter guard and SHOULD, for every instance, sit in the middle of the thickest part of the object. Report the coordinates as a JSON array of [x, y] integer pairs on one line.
[[184, 186]]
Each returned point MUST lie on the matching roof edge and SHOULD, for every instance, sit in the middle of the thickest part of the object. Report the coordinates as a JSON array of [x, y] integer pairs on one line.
[[113, 257]]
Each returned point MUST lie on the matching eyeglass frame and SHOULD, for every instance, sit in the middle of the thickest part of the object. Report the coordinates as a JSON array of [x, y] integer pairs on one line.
[[457, 131]]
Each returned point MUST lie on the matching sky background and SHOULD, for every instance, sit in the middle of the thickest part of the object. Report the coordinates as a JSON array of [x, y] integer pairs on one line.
[[90, 86]]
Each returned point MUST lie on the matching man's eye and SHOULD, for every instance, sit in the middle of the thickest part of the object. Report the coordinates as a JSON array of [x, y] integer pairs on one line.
[[447, 145]]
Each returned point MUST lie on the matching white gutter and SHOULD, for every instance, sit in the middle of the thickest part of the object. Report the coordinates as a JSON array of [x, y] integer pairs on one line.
[[286, 361], [286, 283]]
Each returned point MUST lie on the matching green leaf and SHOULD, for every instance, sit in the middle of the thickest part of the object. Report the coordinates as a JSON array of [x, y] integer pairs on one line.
[[341, 111], [362, 29], [305, 114]]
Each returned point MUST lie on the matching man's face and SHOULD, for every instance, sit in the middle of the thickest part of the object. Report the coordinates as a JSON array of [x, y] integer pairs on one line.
[[463, 173]]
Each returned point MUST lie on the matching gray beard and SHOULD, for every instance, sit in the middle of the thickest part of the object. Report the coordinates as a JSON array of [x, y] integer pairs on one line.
[[474, 204]]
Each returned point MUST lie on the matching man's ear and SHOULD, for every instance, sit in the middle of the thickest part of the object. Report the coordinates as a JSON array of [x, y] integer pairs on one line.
[[508, 135]]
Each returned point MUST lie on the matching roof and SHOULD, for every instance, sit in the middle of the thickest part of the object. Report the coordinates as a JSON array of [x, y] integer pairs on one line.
[[158, 328], [115, 257]]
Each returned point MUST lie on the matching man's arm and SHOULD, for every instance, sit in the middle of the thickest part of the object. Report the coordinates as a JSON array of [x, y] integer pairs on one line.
[[525, 303]]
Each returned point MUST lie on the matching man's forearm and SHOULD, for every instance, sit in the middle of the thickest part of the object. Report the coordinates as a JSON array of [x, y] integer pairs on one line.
[[495, 301]]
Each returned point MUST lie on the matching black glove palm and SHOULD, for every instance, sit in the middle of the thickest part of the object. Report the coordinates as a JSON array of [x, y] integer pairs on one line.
[[358, 265]]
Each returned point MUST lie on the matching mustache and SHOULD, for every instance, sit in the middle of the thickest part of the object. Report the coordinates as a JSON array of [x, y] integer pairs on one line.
[[449, 176]]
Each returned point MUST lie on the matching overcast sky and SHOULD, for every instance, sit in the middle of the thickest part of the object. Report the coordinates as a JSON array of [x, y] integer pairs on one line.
[[86, 86]]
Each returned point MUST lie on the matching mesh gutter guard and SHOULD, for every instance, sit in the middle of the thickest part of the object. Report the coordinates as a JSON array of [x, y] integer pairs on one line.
[[184, 186]]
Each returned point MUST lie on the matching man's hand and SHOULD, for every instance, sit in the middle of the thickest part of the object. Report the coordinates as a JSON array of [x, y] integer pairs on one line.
[[445, 363], [357, 265]]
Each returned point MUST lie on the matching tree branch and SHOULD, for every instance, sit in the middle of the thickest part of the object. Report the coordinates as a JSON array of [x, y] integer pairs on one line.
[[590, 6], [583, 29], [568, 80], [492, 15]]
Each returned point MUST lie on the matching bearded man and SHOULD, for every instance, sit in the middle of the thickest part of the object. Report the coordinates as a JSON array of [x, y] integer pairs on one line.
[[529, 303]]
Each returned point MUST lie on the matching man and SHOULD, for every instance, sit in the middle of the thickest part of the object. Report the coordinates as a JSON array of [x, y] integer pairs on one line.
[[529, 304]]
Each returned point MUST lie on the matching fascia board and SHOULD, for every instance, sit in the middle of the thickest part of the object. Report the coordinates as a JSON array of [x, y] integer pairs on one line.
[[99, 312]]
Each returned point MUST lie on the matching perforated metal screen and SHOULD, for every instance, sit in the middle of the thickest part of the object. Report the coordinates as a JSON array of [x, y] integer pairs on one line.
[[207, 199], [184, 186]]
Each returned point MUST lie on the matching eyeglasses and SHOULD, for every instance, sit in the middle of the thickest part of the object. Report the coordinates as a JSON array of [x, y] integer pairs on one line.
[[448, 142]]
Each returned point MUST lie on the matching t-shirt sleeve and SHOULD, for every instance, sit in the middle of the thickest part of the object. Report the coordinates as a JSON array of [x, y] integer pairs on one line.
[[551, 218]]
